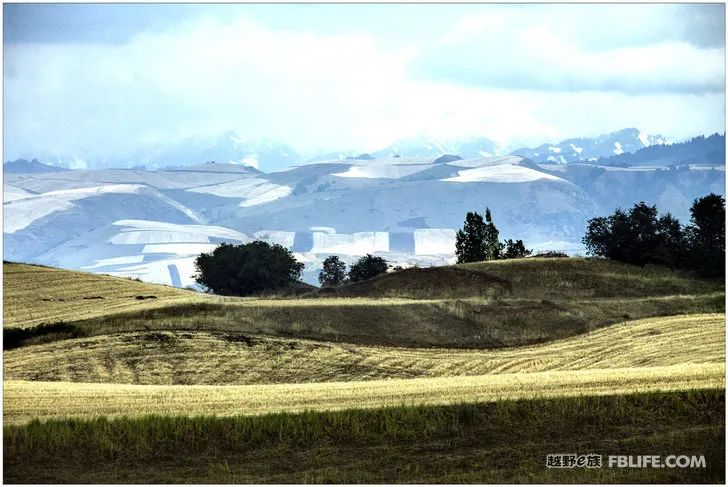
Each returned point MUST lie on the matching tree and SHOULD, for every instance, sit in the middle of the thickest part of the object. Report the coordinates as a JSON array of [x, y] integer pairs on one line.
[[242, 270], [633, 237], [367, 267], [493, 246], [515, 250], [333, 272], [470, 241], [706, 235]]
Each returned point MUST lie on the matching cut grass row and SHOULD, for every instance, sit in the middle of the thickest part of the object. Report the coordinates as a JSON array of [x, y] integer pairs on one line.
[[497, 442], [25, 401], [226, 358]]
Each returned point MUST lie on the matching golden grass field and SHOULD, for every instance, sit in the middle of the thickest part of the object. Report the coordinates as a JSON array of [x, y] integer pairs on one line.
[[659, 354], [211, 358], [25, 401]]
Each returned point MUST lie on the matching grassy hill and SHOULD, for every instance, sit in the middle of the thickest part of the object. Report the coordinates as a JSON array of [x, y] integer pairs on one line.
[[532, 278], [223, 358], [34, 294], [508, 303]]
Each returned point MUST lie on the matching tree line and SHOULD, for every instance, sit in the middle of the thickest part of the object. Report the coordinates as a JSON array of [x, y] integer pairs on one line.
[[639, 236], [642, 236]]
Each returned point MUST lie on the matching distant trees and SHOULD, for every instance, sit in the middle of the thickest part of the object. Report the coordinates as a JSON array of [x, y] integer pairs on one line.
[[640, 236], [515, 250], [367, 267], [333, 272], [479, 240], [242, 270]]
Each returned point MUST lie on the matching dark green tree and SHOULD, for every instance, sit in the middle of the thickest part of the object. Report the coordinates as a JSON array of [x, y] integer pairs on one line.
[[706, 235], [243, 270], [333, 272], [493, 246], [367, 267], [515, 250], [470, 241]]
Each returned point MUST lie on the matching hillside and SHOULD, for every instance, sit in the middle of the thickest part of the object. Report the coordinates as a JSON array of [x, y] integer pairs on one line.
[[499, 304], [35, 294], [217, 358]]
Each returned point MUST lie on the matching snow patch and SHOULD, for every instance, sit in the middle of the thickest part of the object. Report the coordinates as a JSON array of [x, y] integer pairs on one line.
[[129, 259], [379, 171], [252, 191], [434, 241], [284, 239], [180, 249], [359, 243], [20, 213], [504, 173], [618, 148]]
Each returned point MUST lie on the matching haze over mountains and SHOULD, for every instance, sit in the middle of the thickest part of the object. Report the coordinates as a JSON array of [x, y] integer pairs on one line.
[[269, 154], [404, 202]]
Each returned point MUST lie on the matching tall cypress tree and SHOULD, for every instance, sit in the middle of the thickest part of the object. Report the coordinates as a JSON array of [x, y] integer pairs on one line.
[[470, 241], [493, 246]]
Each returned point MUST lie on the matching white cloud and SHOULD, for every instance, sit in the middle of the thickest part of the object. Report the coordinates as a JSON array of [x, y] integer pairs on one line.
[[358, 90]]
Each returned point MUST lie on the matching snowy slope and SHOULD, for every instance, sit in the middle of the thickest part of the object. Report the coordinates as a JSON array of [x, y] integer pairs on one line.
[[152, 224]]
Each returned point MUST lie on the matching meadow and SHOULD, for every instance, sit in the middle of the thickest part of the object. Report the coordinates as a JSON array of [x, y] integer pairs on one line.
[[492, 442], [403, 359]]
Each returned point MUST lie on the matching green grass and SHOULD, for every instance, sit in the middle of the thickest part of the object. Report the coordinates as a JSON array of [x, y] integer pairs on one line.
[[500, 442]]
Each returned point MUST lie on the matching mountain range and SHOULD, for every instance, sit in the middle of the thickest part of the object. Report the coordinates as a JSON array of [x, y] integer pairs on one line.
[[151, 223], [269, 154]]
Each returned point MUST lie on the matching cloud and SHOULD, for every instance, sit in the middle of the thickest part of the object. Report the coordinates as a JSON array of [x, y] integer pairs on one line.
[[511, 73], [635, 49]]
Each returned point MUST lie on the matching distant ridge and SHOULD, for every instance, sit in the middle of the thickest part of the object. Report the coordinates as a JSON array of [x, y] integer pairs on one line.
[[24, 166]]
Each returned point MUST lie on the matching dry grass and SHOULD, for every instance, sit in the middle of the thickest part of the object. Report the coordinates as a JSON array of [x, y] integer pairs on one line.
[[25, 401], [36, 294], [216, 358]]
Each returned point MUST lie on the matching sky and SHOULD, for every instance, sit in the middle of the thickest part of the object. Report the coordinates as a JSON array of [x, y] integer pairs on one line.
[[104, 80]]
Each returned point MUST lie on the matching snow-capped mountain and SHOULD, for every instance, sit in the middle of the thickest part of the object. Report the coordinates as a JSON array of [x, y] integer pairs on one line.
[[151, 224], [227, 148], [591, 149], [426, 146]]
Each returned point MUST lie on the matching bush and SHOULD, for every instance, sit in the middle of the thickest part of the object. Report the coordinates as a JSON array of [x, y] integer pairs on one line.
[[242, 270], [333, 272], [367, 267]]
